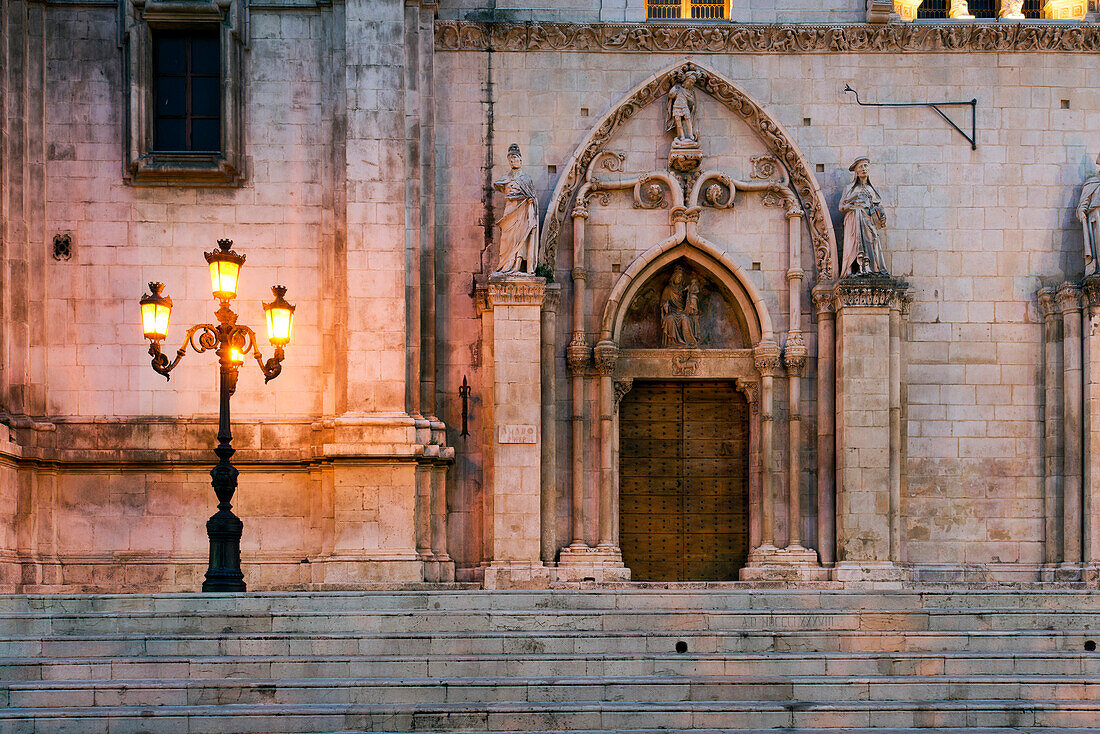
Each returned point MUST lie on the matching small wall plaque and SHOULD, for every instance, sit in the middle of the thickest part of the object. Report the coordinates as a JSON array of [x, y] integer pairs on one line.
[[517, 434]]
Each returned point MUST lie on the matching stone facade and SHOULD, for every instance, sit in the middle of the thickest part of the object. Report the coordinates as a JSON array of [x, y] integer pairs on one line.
[[942, 432]]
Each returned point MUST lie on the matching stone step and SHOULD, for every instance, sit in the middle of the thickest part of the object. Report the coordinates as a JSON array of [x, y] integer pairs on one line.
[[515, 689], [572, 620], [140, 667], [714, 597], [564, 716], [544, 642]]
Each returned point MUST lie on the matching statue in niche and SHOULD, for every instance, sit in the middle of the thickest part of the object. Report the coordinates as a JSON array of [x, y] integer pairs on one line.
[[680, 311], [1088, 212], [519, 226], [864, 222], [681, 108]]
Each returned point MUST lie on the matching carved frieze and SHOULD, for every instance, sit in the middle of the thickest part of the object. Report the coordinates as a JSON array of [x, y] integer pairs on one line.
[[778, 38]]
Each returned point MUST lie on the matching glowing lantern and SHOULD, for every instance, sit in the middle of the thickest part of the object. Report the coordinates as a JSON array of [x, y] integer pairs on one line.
[[225, 269], [156, 309], [280, 317]]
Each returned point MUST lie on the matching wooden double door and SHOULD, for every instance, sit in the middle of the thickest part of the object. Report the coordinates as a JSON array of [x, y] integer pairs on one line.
[[683, 481]]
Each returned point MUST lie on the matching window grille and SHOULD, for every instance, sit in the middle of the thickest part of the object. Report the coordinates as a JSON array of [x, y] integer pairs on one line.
[[932, 9], [983, 8], [187, 72], [1033, 8], [687, 9]]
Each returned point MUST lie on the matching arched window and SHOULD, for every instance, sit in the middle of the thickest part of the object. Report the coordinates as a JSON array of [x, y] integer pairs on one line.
[[687, 9]]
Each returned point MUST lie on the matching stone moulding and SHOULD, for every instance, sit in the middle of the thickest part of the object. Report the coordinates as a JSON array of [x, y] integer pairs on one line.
[[770, 133], [767, 38]]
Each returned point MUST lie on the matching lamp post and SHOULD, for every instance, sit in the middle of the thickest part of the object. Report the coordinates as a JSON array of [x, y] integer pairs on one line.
[[231, 341]]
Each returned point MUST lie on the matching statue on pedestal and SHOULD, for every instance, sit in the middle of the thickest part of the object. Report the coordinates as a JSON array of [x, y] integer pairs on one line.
[[864, 221], [685, 153], [519, 225], [1088, 212]]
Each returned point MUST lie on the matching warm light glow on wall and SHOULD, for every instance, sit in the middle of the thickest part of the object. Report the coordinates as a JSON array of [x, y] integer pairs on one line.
[[687, 9]]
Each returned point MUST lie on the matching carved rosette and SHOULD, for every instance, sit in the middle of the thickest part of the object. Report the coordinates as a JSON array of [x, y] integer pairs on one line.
[[1068, 297], [767, 356], [622, 387], [794, 355], [606, 355], [870, 291], [576, 354]]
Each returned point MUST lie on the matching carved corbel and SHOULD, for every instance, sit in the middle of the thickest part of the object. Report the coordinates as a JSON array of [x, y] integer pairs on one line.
[[751, 391], [622, 387]]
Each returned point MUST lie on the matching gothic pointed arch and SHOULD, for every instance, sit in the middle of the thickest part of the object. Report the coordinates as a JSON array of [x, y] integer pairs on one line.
[[704, 255], [772, 134]]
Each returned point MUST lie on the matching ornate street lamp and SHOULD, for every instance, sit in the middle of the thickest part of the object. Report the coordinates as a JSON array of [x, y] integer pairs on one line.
[[231, 341]]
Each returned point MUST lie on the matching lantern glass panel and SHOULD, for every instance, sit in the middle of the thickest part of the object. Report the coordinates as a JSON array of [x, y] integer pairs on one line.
[[279, 324], [223, 278], [154, 320]]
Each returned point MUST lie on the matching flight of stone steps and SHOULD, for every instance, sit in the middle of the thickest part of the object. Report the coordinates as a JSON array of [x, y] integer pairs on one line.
[[622, 660]]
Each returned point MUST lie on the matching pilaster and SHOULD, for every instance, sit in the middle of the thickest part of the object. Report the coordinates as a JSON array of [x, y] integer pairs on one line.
[[511, 317], [868, 450]]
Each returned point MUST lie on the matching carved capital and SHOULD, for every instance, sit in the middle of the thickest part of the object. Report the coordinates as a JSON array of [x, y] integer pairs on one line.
[[880, 292], [766, 356], [1090, 287], [552, 298], [606, 355], [580, 210], [824, 301], [1045, 296], [680, 214], [622, 387], [794, 355], [576, 354], [1068, 297], [511, 292]]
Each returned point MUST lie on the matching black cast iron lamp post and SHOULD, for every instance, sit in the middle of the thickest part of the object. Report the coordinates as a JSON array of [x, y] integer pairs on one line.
[[231, 341]]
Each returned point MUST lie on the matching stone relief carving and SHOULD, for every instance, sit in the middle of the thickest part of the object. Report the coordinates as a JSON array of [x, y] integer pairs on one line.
[[864, 222], [680, 311], [681, 308], [1088, 212], [519, 225], [785, 39], [684, 365], [801, 180]]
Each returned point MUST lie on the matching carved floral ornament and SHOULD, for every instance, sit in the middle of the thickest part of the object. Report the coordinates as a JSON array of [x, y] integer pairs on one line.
[[786, 39], [784, 157]]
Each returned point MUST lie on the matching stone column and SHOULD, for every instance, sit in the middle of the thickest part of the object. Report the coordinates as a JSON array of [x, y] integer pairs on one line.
[[1052, 431], [549, 425], [865, 444], [511, 319], [826, 433], [605, 561], [1069, 303], [1091, 360], [767, 358]]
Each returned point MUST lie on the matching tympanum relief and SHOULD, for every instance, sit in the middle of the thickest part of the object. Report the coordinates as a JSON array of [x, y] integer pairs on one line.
[[682, 308]]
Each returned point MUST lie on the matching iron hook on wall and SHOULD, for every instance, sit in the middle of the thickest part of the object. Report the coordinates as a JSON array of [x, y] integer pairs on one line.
[[972, 138], [464, 393]]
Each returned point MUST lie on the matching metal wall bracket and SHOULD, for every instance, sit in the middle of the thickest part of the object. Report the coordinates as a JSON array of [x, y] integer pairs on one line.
[[972, 138]]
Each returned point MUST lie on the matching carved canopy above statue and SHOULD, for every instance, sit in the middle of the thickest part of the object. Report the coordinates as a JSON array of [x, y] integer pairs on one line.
[[774, 137]]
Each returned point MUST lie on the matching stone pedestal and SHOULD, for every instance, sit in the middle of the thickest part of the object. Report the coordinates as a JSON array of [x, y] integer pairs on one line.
[[868, 527], [511, 308]]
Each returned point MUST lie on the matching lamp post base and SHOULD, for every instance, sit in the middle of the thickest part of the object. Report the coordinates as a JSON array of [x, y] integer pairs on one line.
[[224, 572]]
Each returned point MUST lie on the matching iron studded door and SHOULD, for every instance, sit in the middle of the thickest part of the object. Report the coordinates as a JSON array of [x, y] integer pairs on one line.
[[683, 481]]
